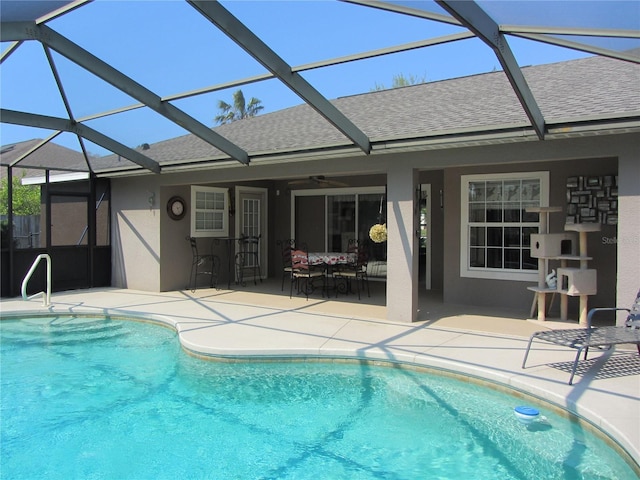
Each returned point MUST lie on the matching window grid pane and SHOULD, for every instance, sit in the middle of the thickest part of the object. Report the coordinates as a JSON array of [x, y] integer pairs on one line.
[[477, 236], [218, 201], [477, 257], [494, 258], [512, 259], [200, 200]]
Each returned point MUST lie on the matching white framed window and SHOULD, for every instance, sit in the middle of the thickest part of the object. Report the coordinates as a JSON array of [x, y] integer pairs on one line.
[[209, 211], [495, 227]]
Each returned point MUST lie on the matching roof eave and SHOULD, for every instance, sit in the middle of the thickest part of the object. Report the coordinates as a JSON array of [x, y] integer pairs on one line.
[[443, 139]]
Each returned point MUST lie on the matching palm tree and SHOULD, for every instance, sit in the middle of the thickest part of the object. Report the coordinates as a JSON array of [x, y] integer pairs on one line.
[[401, 81], [239, 109]]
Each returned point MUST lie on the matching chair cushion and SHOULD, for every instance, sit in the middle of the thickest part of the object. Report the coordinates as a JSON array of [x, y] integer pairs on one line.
[[306, 273], [346, 273]]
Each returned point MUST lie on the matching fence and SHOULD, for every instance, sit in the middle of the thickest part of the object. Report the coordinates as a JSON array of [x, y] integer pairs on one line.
[[26, 230]]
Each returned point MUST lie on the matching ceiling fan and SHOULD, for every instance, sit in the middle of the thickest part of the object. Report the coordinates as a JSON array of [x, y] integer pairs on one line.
[[318, 180]]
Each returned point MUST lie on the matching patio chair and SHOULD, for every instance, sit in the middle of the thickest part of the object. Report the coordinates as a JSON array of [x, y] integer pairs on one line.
[[202, 265], [601, 337], [303, 274], [354, 271], [285, 247]]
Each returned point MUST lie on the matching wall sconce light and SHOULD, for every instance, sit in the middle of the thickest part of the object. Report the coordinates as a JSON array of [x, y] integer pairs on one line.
[[151, 198]]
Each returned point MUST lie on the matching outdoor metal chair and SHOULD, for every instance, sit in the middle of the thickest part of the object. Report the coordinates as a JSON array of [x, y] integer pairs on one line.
[[354, 272], [285, 247], [303, 274]]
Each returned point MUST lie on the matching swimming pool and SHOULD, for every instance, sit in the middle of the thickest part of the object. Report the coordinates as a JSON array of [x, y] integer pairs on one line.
[[110, 398]]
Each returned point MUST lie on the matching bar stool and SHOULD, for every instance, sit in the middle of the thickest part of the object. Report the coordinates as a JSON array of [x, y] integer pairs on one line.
[[202, 265], [248, 258]]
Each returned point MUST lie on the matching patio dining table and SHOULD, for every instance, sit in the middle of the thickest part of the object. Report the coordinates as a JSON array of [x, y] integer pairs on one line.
[[327, 260]]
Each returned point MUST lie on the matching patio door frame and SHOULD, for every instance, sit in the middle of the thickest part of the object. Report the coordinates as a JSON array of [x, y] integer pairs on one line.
[[263, 194], [425, 189]]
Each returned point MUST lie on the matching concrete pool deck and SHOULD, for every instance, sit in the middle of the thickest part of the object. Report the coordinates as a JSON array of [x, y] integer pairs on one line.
[[484, 343]]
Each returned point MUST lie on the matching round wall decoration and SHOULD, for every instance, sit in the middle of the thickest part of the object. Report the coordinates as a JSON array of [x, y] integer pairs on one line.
[[176, 208]]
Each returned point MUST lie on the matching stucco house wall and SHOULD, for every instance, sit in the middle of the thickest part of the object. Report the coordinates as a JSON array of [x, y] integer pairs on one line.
[[627, 241], [135, 236]]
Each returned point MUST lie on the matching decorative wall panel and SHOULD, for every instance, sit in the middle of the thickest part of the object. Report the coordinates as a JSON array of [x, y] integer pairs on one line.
[[592, 199]]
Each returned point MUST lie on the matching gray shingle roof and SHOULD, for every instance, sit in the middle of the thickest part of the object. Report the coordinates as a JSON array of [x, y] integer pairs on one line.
[[566, 92], [50, 154]]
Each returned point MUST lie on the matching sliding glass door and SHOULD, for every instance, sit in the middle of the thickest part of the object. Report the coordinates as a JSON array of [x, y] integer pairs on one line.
[[308, 222], [341, 221]]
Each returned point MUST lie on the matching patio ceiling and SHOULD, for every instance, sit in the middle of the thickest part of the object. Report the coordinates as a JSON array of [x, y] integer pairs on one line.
[[495, 24]]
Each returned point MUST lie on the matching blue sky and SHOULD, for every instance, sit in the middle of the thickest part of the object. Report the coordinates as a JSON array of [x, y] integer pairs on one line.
[[168, 47]]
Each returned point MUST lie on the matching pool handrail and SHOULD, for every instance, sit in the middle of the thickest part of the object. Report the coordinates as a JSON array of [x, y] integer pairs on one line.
[[46, 300]]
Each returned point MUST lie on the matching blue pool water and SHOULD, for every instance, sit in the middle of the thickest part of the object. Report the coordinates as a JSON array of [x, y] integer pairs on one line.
[[113, 399]]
